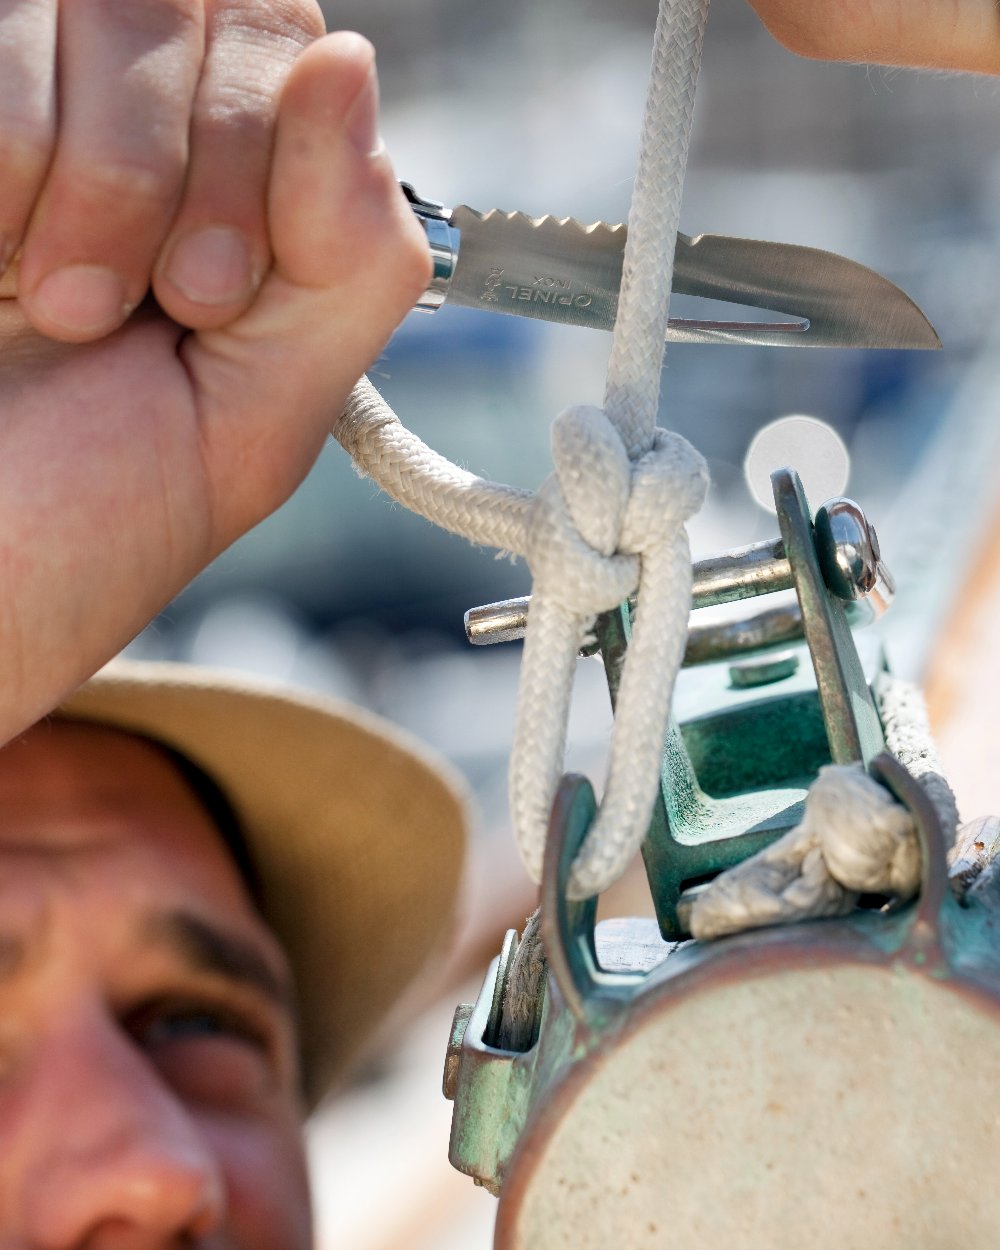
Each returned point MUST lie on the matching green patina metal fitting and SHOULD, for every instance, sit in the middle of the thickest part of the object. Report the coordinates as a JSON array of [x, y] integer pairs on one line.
[[738, 761]]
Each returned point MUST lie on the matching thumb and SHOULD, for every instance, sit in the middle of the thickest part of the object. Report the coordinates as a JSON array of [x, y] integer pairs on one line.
[[350, 260]]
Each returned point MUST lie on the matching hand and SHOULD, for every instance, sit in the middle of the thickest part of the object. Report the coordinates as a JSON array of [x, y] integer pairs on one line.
[[935, 34], [135, 446]]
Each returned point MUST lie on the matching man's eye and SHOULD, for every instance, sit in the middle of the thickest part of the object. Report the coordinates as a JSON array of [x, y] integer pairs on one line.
[[210, 1055], [161, 1023], [192, 1023]]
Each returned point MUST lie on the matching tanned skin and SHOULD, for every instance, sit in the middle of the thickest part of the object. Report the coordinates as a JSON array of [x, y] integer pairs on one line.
[[136, 445], [149, 1081], [934, 34]]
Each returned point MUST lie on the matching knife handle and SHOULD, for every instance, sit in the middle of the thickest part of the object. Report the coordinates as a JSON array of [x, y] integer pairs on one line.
[[442, 239]]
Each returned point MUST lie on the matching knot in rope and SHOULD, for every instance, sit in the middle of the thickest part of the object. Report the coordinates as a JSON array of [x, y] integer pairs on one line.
[[867, 838], [601, 527], [578, 513], [669, 484], [854, 838], [598, 512]]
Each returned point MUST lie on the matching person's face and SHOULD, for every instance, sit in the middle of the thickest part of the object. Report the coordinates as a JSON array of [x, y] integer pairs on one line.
[[148, 1079]]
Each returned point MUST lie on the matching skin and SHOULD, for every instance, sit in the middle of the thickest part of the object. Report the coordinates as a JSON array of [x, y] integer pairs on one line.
[[933, 34], [148, 1098], [135, 447]]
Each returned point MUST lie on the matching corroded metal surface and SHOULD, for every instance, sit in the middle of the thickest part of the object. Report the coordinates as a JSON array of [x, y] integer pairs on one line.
[[818, 1085], [821, 1103], [734, 775]]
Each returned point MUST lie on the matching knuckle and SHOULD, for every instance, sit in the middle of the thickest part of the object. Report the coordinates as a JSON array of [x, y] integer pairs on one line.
[[252, 47], [25, 151], [415, 263], [160, 19], [304, 19], [408, 257], [294, 23], [232, 104], [152, 186]]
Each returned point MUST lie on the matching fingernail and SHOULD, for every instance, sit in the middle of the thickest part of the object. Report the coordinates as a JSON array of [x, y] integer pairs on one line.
[[361, 123], [83, 299], [211, 266]]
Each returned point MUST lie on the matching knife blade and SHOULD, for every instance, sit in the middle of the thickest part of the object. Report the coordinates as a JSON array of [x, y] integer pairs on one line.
[[559, 270]]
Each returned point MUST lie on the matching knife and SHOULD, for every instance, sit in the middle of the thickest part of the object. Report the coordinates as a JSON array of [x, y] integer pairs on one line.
[[559, 270]]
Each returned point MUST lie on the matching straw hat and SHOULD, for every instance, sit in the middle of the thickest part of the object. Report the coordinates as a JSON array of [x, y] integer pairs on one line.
[[355, 829]]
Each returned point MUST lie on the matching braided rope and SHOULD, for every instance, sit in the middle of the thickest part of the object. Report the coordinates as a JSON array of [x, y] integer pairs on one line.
[[610, 518], [424, 481], [633, 383]]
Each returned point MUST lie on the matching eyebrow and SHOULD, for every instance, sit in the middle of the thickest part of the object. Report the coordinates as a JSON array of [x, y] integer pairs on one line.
[[204, 947]]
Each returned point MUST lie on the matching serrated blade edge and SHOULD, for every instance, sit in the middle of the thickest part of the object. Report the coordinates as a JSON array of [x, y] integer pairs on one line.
[[559, 269], [552, 268]]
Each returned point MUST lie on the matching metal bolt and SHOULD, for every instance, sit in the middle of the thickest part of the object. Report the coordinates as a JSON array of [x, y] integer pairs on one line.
[[850, 556], [846, 544]]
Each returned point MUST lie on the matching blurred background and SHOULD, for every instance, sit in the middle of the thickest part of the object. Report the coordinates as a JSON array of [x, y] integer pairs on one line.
[[535, 105]]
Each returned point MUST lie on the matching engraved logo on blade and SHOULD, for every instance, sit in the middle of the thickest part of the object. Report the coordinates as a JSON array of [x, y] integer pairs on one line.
[[548, 290], [494, 280]]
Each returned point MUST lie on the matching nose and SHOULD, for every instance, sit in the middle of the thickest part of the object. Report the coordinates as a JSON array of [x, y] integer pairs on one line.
[[104, 1156]]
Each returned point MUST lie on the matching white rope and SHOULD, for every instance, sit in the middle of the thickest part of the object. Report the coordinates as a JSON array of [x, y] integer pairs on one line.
[[854, 838], [587, 534], [425, 482], [610, 519], [572, 582], [633, 383]]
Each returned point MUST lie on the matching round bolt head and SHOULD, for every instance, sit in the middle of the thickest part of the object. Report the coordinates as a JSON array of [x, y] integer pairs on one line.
[[847, 555], [763, 670]]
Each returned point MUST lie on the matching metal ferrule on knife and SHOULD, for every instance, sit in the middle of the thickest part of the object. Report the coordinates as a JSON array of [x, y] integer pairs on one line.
[[443, 240]]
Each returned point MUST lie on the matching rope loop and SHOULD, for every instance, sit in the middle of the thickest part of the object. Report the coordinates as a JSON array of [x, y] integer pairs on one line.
[[601, 527], [609, 519]]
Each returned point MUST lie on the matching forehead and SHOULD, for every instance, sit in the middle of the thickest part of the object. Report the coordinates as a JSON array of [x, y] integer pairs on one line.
[[74, 795]]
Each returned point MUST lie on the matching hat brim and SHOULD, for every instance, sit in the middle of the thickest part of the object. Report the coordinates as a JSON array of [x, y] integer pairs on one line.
[[357, 833]]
